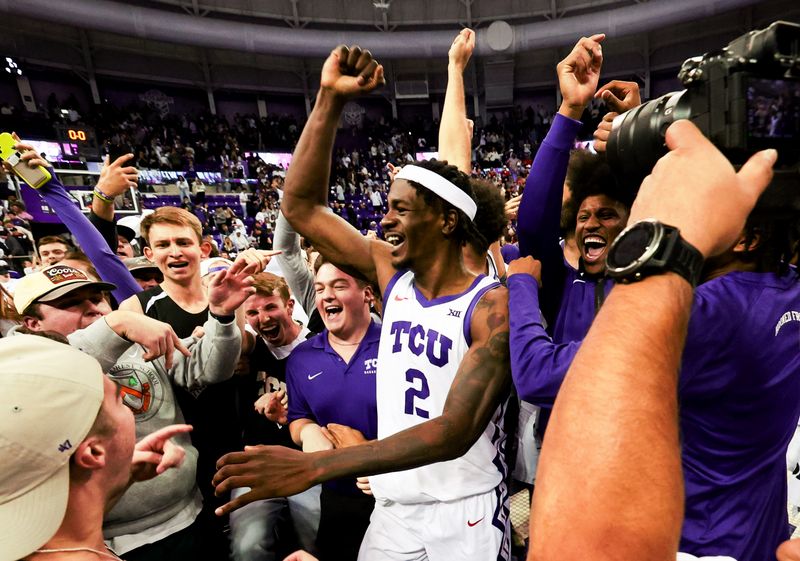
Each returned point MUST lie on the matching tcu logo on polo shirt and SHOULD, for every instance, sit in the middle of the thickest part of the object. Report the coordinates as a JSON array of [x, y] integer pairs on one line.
[[371, 366], [435, 345], [57, 275]]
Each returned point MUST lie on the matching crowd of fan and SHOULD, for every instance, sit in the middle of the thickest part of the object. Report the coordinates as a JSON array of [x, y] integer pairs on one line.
[[169, 330]]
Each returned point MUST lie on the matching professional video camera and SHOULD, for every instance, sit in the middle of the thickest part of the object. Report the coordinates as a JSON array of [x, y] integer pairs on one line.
[[744, 98]]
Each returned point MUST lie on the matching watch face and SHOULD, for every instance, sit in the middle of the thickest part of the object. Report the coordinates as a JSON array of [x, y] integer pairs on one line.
[[631, 245]]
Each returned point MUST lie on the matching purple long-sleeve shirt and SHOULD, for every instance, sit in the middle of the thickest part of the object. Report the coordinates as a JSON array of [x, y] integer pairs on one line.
[[738, 388], [108, 265], [569, 297]]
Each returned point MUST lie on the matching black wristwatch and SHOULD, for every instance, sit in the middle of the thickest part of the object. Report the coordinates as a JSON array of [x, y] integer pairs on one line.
[[649, 247]]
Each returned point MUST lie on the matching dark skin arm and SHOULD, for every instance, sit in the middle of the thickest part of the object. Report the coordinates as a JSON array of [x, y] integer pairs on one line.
[[347, 72], [481, 383]]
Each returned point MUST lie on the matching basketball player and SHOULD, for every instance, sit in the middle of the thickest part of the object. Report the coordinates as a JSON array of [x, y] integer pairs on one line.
[[443, 358]]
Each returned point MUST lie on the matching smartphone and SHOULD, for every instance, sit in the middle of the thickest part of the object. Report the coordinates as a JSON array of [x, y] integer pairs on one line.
[[33, 176], [115, 151]]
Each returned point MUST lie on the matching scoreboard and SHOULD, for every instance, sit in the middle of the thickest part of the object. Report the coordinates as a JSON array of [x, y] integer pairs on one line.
[[77, 141]]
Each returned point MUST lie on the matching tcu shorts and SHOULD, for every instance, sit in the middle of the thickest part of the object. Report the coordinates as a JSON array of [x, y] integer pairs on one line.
[[475, 528]]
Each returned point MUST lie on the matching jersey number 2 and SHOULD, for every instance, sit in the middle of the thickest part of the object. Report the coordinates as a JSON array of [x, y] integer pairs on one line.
[[422, 393]]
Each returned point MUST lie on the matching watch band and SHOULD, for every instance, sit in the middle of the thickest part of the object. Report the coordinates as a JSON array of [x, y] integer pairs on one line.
[[683, 258]]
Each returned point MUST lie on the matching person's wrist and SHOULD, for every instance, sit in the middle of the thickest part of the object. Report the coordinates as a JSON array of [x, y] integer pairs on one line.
[[453, 66], [571, 110], [316, 462], [102, 195], [221, 314], [330, 98]]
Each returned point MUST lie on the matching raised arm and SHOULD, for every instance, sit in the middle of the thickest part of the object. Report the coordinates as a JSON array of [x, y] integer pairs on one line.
[[110, 267], [299, 278], [346, 74], [617, 410], [455, 135], [481, 382], [213, 356], [538, 222]]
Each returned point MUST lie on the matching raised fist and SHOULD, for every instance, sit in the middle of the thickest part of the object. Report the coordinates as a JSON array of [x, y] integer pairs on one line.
[[349, 72]]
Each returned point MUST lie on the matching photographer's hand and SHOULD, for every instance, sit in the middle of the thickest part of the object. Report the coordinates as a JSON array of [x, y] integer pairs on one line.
[[695, 188]]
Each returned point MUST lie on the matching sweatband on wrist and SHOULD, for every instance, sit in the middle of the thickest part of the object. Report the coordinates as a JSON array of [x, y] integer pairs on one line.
[[439, 186], [102, 196]]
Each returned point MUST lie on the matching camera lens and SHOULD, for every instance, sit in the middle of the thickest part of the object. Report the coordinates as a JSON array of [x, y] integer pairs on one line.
[[636, 141]]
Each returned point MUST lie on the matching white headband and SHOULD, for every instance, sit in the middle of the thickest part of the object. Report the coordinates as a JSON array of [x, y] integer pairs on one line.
[[442, 187]]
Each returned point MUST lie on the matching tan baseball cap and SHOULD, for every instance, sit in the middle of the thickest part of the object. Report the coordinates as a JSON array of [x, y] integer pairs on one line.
[[51, 283], [50, 395]]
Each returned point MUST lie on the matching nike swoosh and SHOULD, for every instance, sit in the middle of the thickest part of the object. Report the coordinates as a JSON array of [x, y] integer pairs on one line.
[[398, 298], [471, 524], [310, 377]]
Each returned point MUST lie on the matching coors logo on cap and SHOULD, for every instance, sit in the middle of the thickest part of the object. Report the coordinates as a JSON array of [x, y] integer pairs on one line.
[[59, 274]]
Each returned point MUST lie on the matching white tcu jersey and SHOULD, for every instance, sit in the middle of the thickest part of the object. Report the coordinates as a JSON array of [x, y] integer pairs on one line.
[[422, 345], [493, 274]]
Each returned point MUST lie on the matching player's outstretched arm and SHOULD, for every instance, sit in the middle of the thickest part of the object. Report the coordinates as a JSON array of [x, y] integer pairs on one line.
[[481, 382], [455, 134], [347, 72]]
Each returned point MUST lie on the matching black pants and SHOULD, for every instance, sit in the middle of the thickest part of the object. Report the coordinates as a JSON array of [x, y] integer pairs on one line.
[[342, 525]]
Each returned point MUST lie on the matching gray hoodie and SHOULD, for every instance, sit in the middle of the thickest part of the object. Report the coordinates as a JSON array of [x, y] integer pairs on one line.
[[147, 390]]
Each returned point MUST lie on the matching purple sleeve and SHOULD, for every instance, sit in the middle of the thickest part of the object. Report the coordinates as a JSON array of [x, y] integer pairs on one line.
[[540, 207], [538, 221], [108, 265], [538, 366], [298, 405], [509, 253]]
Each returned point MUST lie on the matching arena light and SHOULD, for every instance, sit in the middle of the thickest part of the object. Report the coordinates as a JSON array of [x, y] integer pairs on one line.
[[12, 67]]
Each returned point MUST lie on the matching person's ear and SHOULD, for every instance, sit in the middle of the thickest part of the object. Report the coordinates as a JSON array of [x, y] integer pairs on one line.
[[450, 220], [369, 295], [290, 306], [32, 323], [743, 245], [148, 252], [91, 453], [205, 249]]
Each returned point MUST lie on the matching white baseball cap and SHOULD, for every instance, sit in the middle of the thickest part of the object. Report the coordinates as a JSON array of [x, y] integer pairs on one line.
[[50, 395], [52, 283]]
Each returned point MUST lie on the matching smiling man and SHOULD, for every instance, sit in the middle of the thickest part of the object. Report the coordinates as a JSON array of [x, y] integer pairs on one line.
[[331, 379], [175, 244], [443, 360], [255, 529], [571, 296]]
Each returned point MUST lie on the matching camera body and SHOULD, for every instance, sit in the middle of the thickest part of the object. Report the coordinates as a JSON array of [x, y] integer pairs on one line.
[[744, 98]]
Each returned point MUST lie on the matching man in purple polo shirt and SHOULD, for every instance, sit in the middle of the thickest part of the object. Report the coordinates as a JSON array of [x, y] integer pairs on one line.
[[331, 379], [739, 374]]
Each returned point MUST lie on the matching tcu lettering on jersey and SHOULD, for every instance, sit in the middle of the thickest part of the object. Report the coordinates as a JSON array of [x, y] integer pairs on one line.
[[436, 346]]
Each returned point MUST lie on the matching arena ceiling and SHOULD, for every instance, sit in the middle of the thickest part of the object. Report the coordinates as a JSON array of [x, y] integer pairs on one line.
[[279, 45], [386, 14]]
